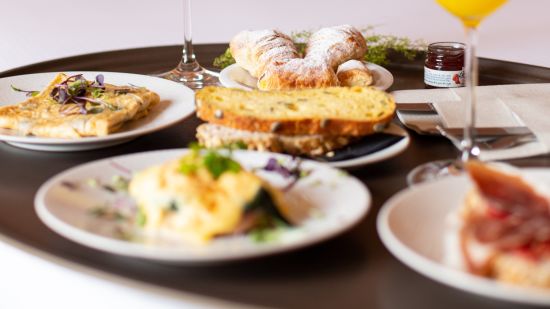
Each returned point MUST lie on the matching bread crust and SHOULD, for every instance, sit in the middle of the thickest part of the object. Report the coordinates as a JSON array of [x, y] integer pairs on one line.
[[208, 109]]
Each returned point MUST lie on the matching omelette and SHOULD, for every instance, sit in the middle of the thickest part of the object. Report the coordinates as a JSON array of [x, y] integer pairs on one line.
[[72, 107], [205, 195]]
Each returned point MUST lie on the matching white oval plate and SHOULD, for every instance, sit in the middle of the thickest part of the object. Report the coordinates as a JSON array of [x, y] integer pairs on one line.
[[335, 202], [234, 76], [380, 155], [416, 225], [176, 103]]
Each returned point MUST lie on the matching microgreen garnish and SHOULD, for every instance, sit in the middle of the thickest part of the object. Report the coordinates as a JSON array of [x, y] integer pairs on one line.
[[213, 160], [28, 93], [238, 145], [108, 213], [173, 206], [218, 164], [271, 231], [141, 217], [292, 170], [121, 168], [71, 93]]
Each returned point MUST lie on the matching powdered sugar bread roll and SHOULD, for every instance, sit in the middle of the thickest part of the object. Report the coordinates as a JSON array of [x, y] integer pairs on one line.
[[336, 45], [254, 50], [298, 74], [354, 73], [326, 50]]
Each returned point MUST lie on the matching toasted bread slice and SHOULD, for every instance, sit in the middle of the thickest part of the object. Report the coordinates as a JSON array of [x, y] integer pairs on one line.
[[334, 111], [213, 136], [43, 116]]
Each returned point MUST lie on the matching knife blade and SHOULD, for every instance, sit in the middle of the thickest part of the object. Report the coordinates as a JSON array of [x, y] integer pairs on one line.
[[421, 107], [485, 131]]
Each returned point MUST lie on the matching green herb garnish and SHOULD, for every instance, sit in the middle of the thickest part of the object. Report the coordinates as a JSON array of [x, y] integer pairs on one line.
[[28, 93], [217, 164], [214, 161], [173, 206], [141, 218], [224, 60], [105, 212], [268, 233], [120, 183]]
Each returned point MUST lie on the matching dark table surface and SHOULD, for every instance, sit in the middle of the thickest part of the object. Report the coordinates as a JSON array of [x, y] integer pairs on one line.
[[352, 270]]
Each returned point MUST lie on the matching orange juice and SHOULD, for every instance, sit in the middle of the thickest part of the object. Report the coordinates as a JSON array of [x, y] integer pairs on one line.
[[471, 12]]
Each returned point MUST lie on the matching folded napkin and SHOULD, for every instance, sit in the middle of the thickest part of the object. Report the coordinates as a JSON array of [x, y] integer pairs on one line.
[[497, 106]]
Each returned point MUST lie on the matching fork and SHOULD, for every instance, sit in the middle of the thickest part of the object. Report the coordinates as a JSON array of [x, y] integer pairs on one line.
[[496, 143], [505, 142]]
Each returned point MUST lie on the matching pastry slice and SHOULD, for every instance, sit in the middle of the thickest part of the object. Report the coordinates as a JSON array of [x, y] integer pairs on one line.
[[506, 231], [72, 107]]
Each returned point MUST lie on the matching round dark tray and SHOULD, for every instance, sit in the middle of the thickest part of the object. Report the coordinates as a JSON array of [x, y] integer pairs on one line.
[[352, 270]]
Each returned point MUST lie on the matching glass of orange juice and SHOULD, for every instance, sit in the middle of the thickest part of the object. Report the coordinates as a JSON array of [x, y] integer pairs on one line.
[[470, 13]]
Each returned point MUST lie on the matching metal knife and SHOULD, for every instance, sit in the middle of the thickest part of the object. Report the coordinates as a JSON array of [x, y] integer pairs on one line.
[[422, 107]]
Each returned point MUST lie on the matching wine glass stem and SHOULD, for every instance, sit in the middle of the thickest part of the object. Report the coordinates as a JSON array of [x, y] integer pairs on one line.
[[471, 76], [188, 56]]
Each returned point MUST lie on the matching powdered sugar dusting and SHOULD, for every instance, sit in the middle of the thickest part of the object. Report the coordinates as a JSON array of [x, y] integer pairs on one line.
[[270, 55], [336, 45]]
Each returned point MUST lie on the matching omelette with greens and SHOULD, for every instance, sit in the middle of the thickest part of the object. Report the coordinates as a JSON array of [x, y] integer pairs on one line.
[[206, 194], [73, 107]]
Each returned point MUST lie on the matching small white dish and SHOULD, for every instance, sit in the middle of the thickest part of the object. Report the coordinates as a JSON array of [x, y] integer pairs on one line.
[[416, 225], [234, 76], [176, 103], [335, 202]]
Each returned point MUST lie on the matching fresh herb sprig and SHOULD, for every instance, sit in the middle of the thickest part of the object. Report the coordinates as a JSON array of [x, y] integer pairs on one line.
[[213, 160], [71, 93], [379, 47], [28, 93]]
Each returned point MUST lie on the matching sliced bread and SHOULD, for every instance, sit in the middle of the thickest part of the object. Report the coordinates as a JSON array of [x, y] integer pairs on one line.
[[214, 136], [337, 111]]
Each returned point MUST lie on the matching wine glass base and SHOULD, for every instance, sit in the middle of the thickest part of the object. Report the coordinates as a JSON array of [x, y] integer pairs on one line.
[[434, 170], [197, 78]]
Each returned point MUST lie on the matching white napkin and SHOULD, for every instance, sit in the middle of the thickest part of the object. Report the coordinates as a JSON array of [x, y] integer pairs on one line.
[[497, 106]]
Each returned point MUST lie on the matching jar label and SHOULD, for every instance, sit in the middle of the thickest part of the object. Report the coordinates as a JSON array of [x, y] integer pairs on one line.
[[443, 79]]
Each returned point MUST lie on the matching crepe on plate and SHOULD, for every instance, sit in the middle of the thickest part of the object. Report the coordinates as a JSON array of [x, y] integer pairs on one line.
[[72, 107]]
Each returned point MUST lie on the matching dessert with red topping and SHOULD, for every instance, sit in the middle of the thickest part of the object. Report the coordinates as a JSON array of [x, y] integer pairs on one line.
[[506, 230]]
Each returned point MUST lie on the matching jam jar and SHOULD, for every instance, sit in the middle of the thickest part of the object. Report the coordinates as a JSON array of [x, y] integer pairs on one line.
[[444, 66]]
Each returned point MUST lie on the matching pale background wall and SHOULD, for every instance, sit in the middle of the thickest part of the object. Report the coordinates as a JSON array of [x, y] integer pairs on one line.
[[36, 30]]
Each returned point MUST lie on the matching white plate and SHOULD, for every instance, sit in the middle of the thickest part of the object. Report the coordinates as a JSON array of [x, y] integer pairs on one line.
[[416, 225], [379, 155], [335, 201], [234, 76], [176, 103]]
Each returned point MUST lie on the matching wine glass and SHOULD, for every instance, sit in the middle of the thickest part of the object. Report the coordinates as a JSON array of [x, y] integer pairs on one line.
[[471, 13], [189, 72]]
